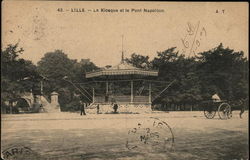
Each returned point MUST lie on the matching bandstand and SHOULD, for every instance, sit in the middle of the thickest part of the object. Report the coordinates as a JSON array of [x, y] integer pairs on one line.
[[124, 84]]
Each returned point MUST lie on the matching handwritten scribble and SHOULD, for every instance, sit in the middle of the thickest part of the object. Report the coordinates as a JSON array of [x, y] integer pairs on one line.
[[192, 40], [190, 29], [185, 43]]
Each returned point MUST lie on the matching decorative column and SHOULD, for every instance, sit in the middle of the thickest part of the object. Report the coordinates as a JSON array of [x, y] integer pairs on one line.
[[107, 91], [93, 95], [149, 93], [54, 98], [54, 102], [132, 94], [107, 87]]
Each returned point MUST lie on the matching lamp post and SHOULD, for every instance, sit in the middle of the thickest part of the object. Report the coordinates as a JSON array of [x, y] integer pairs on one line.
[[41, 83], [11, 106], [41, 89]]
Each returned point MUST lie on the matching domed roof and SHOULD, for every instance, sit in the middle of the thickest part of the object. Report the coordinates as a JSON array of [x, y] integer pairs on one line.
[[122, 68]]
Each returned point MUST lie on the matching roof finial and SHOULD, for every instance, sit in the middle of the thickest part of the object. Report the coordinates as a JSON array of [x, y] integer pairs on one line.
[[122, 60]]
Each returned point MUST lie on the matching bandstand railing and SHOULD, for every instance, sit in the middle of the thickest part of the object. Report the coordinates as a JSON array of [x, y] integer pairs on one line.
[[121, 99]]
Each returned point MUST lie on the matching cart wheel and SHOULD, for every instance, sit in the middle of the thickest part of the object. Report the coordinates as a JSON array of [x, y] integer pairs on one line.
[[209, 114], [230, 115], [224, 111]]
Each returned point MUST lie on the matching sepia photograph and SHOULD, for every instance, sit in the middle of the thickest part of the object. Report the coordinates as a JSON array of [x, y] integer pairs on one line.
[[124, 80]]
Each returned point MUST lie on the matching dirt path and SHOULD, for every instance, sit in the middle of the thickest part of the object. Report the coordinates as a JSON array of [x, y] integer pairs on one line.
[[70, 136]]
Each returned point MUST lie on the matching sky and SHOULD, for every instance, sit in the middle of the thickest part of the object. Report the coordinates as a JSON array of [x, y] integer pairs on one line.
[[192, 27]]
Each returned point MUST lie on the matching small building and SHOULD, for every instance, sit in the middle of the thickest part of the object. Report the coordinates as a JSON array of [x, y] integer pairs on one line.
[[123, 84]]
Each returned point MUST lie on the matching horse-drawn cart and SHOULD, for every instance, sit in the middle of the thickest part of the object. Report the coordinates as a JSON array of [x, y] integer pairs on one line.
[[222, 107]]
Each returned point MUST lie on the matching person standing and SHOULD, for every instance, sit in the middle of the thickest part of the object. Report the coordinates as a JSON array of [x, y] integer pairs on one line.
[[115, 108], [98, 108], [82, 108], [242, 104]]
